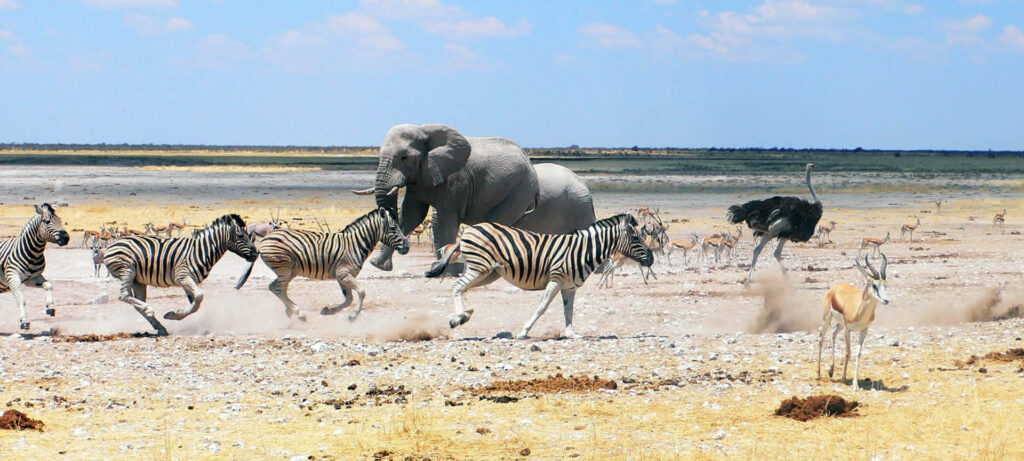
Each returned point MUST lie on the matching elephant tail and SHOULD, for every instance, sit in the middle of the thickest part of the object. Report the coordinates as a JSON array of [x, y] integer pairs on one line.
[[449, 253], [536, 203]]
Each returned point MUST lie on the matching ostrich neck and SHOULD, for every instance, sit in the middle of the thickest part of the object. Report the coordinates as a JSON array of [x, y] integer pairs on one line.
[[814, 196]]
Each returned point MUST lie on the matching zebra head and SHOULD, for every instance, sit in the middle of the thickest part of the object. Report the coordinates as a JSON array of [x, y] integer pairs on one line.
[[50, 228], [239, 241], [392, 235], [630, 242]]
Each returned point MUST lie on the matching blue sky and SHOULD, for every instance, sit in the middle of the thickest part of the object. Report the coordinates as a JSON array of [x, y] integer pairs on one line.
[[793, 73]]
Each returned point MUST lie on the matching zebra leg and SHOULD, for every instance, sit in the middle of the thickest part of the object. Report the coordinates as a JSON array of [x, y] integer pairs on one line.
[[465, 282], [328, 310], [40, 281], [549, 293], [279, 287], [194, 293], [568, 296], [135, 295], [14, 282], [350, 281]]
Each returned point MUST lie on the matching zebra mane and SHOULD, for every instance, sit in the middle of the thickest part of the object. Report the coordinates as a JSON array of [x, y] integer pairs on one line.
[[361, 219], [617, 219], [228, 219]]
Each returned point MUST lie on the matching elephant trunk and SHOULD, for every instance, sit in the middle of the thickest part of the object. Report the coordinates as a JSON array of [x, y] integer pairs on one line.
[[387, 179]]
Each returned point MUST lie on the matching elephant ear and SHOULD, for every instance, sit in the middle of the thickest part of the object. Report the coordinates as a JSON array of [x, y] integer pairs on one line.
[[447, 153]]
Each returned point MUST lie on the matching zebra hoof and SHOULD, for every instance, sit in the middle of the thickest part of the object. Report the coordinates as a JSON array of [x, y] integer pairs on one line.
[[51, 312], [522, 336], [24, 325], [328, 310], [172, 316], [382, 265], [300, 317]]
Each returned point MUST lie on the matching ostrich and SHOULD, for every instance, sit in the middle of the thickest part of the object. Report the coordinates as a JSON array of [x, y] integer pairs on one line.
[[784, 218]]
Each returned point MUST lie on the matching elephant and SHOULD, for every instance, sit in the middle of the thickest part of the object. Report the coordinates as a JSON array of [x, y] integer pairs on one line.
[[469, 180]]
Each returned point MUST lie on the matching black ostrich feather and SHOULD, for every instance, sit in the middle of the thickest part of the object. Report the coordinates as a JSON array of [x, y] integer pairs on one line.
[[759, 215]]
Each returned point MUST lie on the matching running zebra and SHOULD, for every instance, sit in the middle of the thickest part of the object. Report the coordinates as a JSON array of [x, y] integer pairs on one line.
[[327, 256], [141, 260], [22, 260], [532, 261]]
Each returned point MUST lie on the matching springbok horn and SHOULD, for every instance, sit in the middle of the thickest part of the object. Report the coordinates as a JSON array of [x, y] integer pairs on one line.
[[885, 262], [874, 273], [367, 191]]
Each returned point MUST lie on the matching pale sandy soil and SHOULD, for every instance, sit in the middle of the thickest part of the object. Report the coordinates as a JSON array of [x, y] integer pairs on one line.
[[724, 355]]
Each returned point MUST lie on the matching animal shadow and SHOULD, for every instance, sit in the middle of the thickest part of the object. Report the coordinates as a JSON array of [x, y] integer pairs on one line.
[[868, 385]]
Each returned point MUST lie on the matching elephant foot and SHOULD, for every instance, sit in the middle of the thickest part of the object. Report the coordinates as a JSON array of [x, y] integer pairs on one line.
[[382, 264], [24, 325], [51, 311]]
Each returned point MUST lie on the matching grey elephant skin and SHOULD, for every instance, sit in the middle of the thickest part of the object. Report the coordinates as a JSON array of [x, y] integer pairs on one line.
[[469, 180]]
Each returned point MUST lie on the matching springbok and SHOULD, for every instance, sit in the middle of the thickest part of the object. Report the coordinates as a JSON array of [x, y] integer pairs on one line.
[[90, 238], [685, 245], [826, 231], [907, 227], [853, 310], [97, 258], [171, 226], [874, 243], [1000, 219]]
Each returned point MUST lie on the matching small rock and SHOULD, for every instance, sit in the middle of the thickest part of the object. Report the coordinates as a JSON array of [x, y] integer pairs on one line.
[[719, 435], [319, 346], [524, 452], [534, 348], [300, 458]]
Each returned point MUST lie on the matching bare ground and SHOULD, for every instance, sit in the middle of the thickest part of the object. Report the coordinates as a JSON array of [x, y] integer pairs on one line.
[[699, 362]]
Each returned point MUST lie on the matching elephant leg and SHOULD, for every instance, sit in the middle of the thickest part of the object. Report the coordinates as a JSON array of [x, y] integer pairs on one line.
[[411, 215], [445, 231]]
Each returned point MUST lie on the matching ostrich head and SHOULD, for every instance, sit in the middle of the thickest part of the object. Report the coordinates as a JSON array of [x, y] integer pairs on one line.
[[814, 197]]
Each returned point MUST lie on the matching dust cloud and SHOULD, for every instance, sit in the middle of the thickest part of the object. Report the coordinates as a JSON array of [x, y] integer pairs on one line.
[[784, 309]]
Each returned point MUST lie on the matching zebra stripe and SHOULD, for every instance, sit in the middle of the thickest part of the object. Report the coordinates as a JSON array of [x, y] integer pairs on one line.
[[327, 256], [532, 261], [22, 259], [141, 261]]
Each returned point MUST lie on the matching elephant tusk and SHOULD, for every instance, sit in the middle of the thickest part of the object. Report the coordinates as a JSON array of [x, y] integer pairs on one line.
[[366, 191], [393, 191]]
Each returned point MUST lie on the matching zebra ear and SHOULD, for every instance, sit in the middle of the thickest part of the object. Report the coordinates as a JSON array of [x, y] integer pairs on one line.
[[632, 220]]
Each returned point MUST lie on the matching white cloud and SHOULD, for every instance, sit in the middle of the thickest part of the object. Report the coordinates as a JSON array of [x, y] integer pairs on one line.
[[912, 9], [150, 25], [608, 36], [178, 24], [489, 26], [1013, 37], [417, 10], [128, 3], [355, 23], [19, 50], [972, 25], [6, 35], [459, 58], [665, 2], [216, 51], [9, 5]]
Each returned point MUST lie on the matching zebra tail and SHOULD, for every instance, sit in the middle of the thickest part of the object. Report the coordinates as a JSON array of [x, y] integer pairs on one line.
[[245, 275], [438, 267]]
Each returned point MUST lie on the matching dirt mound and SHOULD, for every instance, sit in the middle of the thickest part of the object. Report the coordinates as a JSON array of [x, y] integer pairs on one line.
[[816, 406], [551, 384], [15, 420], [94, 338], [1011, 355]]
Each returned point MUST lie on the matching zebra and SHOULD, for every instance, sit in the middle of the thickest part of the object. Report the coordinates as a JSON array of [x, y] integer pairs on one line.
[[22, 260], [141, 261], [327, 256], [532, 261]]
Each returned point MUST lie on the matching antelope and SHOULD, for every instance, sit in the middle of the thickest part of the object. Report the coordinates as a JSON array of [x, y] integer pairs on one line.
[[90, 238], [156, 231], [909, 228], [129, 232], [874, 243], [97, 258], [853, 311], [685, 245], [1000, 219], [938, 206], [714, 241], [106, 235], [175, 226], [826, 231]]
